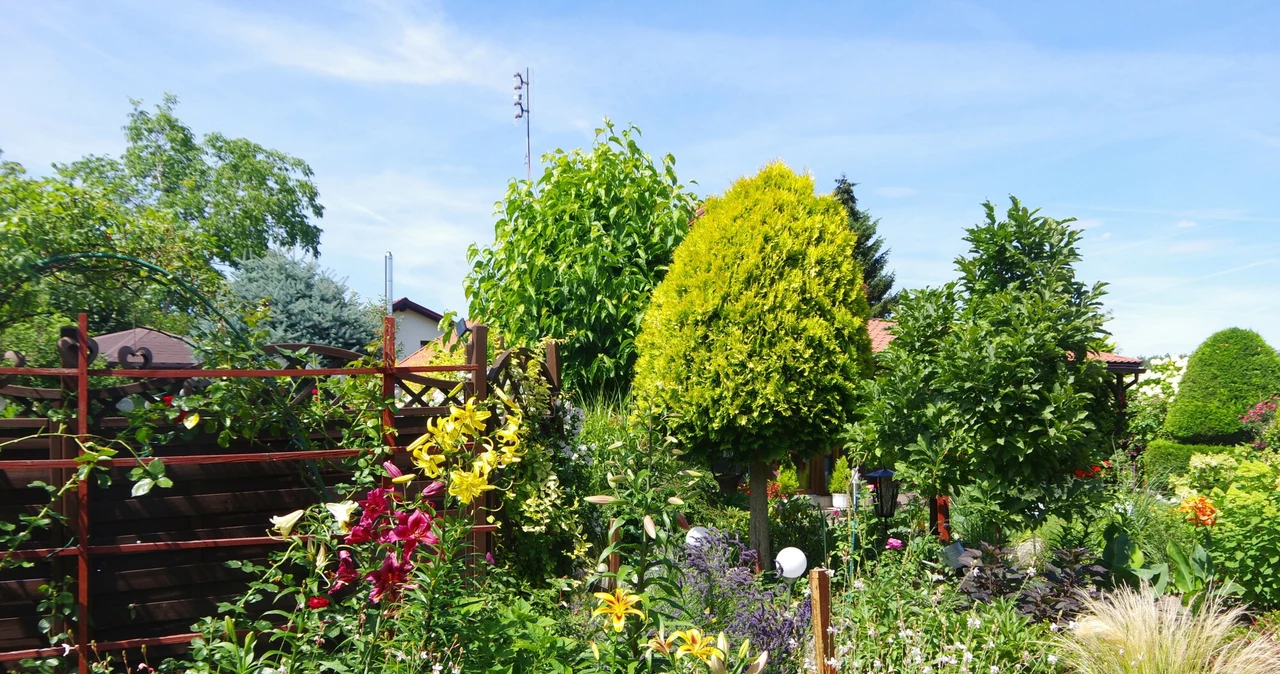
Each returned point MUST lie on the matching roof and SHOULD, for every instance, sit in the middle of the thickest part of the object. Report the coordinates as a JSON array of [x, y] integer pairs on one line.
[[406, 304], [879, 330], [167, 350]]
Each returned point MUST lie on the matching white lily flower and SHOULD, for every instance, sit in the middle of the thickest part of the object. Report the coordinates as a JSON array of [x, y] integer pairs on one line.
[[284, 524]]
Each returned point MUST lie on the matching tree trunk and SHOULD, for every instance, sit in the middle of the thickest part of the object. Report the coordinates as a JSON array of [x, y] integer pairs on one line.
[[759, 529]]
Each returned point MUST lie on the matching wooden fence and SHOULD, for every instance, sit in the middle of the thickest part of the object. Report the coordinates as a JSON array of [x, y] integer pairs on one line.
[[144, 569]]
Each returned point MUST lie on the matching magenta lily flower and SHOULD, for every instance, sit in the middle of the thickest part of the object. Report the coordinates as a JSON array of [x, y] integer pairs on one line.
[[346, 571], [412, 529], [389, 580]]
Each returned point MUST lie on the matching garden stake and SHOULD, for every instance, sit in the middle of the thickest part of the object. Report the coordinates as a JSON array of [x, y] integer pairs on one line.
[[820, 601]]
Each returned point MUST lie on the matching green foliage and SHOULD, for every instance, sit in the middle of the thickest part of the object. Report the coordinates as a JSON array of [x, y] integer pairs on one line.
[[988, 382], [577, 254], [796, 521], [1227, 375], [1165, 459], [306, 303], [867, 251], [756, 340], [840, 475], [1245, 543], [240, 197], [43, 218], [898, 617]]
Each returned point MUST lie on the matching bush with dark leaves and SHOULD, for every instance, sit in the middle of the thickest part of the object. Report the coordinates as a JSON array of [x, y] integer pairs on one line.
[[1052, 592]]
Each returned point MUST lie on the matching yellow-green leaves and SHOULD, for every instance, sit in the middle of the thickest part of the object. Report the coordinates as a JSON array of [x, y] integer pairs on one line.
[[754, 344]]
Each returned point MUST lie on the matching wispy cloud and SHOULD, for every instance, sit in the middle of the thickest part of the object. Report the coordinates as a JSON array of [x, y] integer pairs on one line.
[[1186, 224], [381, 43]]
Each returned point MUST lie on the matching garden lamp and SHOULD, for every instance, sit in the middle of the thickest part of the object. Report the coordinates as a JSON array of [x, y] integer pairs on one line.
[[695, 536], [886, 492], [791, 563]]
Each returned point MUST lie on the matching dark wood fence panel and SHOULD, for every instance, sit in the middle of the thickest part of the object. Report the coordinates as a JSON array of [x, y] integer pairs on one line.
[[151, 566]]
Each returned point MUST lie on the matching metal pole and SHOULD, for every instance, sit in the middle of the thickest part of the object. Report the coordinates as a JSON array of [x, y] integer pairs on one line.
[[528, 142], [389, 289]]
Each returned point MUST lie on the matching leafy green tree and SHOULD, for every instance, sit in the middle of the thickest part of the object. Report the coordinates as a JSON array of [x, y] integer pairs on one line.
[[869, 251], [307, 304], [756, 341], [577, 254], [241, 197], [41, 218], [1229, 373], [988, 385]]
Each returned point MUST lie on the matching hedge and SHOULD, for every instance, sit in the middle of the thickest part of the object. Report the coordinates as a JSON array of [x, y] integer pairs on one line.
[[1229, 373], [1165, 458]]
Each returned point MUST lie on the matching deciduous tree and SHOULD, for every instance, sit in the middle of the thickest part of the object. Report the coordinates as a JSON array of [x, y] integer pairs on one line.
[[577, 254]]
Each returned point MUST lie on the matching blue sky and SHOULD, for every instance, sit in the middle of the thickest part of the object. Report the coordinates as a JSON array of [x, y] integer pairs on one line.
[[1157, 125]]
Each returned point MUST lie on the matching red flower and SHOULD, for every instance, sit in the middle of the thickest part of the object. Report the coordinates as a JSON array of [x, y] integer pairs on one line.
[[389, 580], [359, 534], [412, 529], [317, 603], [373, 507], [346, 573]]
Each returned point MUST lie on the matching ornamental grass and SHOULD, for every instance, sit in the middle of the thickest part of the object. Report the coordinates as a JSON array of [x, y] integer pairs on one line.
[[1128, 632]]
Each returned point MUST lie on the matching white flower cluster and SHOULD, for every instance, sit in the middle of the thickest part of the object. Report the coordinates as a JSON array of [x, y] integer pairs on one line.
[[1162, 376]]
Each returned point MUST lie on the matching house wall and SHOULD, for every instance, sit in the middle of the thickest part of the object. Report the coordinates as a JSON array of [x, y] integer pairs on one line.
[[412, 331]]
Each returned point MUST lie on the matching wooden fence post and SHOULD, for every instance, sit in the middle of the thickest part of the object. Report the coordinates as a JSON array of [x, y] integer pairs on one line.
[[479, 353], [820, 601], [82, 494], [553, 364]]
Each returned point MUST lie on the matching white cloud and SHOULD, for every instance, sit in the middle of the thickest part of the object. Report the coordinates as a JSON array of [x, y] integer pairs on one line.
[[380, 44], [1186, 224], [1104, 236]]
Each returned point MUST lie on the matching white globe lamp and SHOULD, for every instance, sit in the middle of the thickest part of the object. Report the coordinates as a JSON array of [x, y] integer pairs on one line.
[[791, 563], [696, 535]]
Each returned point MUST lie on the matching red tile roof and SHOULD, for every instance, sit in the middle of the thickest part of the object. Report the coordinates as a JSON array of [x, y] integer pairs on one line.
[[878, 328]]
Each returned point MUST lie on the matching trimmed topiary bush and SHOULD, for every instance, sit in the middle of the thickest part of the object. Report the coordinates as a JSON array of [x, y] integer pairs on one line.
[[1227, 375], [1164, 459], [754, 344]]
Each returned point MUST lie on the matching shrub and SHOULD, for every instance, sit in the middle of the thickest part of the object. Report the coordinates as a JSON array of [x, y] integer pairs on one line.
[[1052, 591], [1245, 542], [841, 474], [1128, 632], [754, 343], [979, 388], [577, 254], [1227, 375], [1165, 459]]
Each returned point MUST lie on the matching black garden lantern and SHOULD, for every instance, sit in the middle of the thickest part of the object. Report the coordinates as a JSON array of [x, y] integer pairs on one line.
[[886, 494]]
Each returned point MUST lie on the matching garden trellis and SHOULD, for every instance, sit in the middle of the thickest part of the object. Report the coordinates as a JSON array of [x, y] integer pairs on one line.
[[145, 569]]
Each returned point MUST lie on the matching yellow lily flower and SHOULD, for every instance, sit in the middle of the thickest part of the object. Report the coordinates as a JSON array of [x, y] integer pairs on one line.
[[661, 643], [617, 606], [697, 645], [469, 418], [486, 462], [431, 464], [467, 485]]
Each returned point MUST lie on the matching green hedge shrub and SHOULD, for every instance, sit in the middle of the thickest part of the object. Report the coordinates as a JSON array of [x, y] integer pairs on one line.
[[1228, 374], [1164, 459]]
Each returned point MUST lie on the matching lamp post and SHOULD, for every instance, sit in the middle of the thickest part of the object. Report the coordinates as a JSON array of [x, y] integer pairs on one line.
[[886, 495], [523, 85]]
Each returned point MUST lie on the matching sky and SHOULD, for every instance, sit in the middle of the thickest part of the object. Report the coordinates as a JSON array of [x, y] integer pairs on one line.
[[1156, 125]]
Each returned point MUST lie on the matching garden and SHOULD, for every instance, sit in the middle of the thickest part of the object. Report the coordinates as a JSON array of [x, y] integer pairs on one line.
[[663, 441]]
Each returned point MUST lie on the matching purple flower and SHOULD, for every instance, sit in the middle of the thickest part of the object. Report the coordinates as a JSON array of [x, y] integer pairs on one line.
[[488, 557], [893, 544]]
